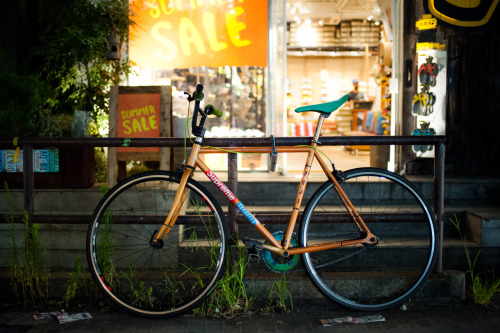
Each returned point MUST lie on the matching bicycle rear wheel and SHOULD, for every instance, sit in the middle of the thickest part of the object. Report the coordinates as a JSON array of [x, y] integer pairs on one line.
[[156, 281], [370, 277]]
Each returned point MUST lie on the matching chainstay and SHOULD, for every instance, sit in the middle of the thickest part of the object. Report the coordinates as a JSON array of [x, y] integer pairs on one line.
[[323, 235], [332, 262], [326, 264]]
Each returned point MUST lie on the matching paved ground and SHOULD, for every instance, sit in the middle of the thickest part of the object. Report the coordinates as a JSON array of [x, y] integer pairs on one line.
[[462, 318]]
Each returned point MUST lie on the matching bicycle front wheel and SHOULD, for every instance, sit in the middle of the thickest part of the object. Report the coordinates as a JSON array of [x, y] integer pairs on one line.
[[160, 280], [376, 276]]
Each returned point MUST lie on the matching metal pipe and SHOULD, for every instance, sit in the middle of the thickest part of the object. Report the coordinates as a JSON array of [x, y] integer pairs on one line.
[[28, 181], [232, 211], [439, 200], [224, 142], [263, 217]]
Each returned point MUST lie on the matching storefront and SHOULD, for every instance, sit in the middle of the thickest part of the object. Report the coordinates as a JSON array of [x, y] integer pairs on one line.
[[259, 60]]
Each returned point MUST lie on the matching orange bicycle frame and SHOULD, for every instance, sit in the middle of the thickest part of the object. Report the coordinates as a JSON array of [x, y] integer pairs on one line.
[[281, 248]]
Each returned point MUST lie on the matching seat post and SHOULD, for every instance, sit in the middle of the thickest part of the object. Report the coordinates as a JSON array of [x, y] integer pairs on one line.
[[319, 125]]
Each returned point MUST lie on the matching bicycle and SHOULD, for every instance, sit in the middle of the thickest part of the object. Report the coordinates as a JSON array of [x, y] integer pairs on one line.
[[157, 242]]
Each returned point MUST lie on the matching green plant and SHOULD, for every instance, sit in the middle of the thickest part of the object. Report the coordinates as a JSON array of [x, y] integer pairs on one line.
[[78, 36], [100, 165], [483, 288], [138, 292], [229, 297], [29, 274], [75, 282], [279, 295], [173, 287]]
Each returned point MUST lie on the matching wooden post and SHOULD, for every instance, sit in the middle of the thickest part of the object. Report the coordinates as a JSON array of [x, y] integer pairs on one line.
[[113, 132], [166, 126]]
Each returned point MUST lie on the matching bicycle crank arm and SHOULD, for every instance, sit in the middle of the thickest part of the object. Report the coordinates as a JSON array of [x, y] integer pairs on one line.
[[253, 243]]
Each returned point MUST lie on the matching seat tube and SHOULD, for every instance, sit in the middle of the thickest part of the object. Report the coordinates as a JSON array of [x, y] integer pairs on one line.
[[319, 125], [303, 182]]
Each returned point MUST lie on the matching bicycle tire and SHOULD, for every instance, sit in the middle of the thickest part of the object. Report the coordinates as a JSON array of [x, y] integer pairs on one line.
[[370, 277], [146, 280]]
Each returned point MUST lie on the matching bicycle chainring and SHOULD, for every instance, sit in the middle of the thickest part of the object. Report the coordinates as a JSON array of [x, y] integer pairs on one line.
[[277, 263]]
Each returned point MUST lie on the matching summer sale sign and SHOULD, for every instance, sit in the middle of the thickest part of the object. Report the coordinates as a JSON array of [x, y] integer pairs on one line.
[[139, 117], [190, 33]]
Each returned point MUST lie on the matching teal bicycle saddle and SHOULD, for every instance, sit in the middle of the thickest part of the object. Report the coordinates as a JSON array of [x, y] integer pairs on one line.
[[324, 108]]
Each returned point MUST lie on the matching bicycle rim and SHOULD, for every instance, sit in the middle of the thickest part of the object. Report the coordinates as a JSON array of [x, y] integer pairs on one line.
[[156, 281], [370, 277]]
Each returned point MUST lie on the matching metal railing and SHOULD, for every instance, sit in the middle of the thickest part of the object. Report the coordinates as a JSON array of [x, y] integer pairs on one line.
[[28, 144]]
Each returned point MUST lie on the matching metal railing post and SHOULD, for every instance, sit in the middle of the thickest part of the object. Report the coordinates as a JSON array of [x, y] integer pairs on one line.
[[232, 172], [28, 181], [439, 200]]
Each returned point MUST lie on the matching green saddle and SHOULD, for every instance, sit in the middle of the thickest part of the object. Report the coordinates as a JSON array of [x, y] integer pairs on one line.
[[324, 108]]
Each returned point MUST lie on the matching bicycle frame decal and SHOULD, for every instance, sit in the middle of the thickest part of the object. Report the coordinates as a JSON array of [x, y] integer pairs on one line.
[[227, 192], [223, 188], [246, 213]]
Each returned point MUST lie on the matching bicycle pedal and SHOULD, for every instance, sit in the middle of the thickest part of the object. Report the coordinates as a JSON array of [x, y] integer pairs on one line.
[[254, 247], [251, 243], [253, 257]]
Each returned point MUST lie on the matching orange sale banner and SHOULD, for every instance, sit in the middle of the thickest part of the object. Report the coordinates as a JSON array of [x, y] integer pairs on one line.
[[190, 33]]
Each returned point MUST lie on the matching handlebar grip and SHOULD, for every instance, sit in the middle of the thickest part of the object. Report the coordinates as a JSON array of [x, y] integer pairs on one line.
[[198, 94], [218, 113], [211, 110]]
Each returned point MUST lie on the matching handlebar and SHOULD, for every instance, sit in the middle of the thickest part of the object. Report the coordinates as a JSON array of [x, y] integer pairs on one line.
[[197, 97]]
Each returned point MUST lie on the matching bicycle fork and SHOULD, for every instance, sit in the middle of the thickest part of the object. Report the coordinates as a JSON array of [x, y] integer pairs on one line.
[[180, 198], [168, 224]]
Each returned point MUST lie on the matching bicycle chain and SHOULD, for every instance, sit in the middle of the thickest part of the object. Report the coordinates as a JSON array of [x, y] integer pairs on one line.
[[339, 259]]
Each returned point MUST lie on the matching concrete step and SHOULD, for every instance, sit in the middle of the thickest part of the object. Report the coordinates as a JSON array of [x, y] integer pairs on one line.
[[442, 289]]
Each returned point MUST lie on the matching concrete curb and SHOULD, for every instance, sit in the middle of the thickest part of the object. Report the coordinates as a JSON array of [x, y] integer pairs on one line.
[[442, 289]]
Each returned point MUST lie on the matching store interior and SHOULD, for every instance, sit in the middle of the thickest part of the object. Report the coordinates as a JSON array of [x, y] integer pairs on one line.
[[330, 44]]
